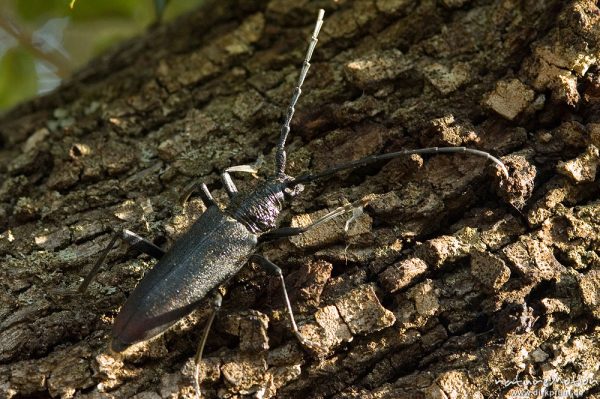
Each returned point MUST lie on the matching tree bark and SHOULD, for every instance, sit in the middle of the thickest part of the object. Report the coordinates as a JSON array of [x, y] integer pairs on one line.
[[442, 288]]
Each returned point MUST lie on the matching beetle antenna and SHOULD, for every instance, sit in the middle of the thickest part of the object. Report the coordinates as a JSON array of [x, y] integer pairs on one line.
[[308, 177], [280, 156]]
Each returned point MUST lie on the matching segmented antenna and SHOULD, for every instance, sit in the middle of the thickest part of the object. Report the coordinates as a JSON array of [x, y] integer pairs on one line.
[[280, 156], [390, 155]]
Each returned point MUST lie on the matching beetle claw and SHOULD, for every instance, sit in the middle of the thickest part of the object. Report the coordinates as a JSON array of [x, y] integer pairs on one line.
[[356, 213], [308, 343]]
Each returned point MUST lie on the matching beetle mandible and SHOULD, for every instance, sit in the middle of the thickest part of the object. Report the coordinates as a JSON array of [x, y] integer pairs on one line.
[[221, 241]]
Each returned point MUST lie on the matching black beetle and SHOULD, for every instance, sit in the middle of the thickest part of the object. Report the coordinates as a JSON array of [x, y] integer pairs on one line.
[[221, 241]]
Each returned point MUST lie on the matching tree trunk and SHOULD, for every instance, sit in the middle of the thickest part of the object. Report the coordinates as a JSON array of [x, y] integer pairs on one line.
[[442, 288]]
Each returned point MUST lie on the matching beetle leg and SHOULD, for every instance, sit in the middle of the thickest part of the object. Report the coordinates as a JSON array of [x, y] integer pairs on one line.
[[141, 244], [252, 169], [216, 305], [272, 269], [205, 194], [134, 240], [228, 184], [226, 177], [356, 213], [354, 207]]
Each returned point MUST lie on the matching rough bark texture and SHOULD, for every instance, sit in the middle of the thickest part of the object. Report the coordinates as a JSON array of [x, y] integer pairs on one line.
[[440, 290]]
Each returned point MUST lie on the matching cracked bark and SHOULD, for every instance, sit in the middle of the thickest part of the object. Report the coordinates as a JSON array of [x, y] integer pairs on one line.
[[437, 290]]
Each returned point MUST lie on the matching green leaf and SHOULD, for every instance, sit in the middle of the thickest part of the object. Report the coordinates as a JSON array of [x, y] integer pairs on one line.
[[178, 7], [36, 10], [18, 78], [98, 9], [84, 10]]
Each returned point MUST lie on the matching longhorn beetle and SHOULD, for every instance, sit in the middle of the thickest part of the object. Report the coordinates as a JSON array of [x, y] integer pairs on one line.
[[221, 241]]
